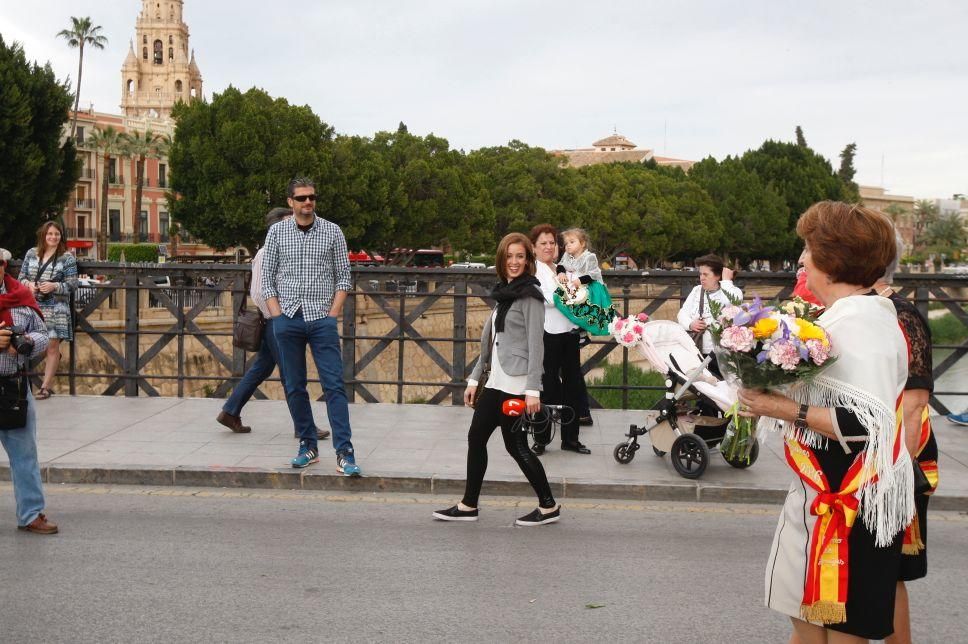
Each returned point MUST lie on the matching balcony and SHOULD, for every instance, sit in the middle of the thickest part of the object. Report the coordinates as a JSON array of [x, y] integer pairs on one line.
[[87, 174], [116, 179], [84, 204], [162, 182], [81, 233]]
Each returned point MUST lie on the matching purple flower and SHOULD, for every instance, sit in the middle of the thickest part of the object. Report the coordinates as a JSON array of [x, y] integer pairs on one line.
[[752, 312]]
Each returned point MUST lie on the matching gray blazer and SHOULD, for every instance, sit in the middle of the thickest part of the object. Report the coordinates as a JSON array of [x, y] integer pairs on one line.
[[520, 347]]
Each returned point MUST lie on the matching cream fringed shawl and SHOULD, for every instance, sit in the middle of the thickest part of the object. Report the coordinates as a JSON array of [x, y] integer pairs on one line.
[[867, 378]]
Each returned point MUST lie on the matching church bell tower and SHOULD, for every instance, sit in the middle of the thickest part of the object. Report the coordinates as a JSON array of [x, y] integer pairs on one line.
[[158, 71]]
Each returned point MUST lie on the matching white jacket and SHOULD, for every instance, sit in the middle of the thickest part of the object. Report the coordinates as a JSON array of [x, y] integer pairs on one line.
[[690, 308]]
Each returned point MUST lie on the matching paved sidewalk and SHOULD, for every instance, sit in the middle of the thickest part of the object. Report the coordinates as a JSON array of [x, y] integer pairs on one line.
[[401, 448]]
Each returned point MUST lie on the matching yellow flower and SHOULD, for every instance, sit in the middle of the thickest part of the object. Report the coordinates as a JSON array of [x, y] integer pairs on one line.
[[810, 331], [765, 327]]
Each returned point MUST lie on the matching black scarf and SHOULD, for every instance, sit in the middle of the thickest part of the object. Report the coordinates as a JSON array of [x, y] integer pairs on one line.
[[506, 292]]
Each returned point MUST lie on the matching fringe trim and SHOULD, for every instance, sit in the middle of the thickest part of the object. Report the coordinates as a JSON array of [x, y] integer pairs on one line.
[[887, 505], [824, 612]]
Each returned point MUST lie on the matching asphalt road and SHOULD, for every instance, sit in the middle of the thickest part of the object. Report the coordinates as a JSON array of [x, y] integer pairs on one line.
[[175, 564]]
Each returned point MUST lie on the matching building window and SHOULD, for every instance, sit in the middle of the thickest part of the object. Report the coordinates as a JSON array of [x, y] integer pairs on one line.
[[114, 225], [162, 179], [143, 225], [144, 53], [159, 52], [144, 39], [178, 86], [192, 94], [171, 39], [163, 224], [171, 54], [130, 86], [113, 171], [80, 134]]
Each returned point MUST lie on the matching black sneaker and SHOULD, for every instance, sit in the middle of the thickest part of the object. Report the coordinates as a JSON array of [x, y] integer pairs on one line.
[[538, 518], [454, 513], [538, 449], [584, 340], [586, 421]]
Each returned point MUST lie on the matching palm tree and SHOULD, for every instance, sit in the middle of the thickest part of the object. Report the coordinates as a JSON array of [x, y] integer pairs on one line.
[[82, 32], [108, 143], [925, 214], [141, 146]]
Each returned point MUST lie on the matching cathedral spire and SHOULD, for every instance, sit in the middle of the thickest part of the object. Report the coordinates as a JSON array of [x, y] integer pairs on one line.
[[157, 73]]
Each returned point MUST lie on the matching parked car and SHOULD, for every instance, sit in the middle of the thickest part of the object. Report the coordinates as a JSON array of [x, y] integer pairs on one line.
[[468, 265], [363, 258]]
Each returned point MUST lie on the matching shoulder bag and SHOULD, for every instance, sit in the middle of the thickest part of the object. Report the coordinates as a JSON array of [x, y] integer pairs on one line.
[[697, 335], [249, 328], [13, 400], [485, 373]]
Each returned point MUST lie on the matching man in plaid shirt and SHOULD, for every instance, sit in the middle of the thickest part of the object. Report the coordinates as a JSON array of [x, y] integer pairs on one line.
[[305, 277], [19, 309]]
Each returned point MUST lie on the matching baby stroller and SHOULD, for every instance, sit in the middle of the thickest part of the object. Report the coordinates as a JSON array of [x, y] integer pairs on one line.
[[688, 420]]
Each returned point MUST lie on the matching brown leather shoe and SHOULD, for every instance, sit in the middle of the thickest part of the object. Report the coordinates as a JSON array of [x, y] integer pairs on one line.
[[321, 434], [233, 422], [40, 525]]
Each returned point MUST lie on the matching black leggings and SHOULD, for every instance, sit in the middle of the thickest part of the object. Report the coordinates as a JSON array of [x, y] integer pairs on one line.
[[487, 417]]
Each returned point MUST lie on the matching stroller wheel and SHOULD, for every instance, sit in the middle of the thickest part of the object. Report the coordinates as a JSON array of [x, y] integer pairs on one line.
[[743, 463], [690, 456], [658, 452], [623, 453]]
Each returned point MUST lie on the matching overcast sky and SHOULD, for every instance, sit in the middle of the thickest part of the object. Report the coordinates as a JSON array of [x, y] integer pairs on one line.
[[687, 79]]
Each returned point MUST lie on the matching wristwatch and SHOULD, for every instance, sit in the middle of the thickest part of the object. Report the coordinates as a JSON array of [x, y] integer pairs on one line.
[[801, 420]]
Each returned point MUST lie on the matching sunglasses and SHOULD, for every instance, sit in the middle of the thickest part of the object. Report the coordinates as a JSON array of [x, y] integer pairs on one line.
[[303, 198]]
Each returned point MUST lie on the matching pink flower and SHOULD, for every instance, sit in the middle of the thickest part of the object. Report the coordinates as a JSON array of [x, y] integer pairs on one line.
[[737, 338], [629, 338], [784, 355], [642, 317], [638, 329], [619, 324], [818, 351], [729, 312]]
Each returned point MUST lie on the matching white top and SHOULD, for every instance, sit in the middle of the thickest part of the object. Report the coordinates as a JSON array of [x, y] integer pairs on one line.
[[255, 285], [554, 320], [514, 385], [690, 308]]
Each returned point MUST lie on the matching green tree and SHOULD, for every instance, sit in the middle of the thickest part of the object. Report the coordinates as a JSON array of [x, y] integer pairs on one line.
[[140, 146], [37, 170], [801, 140], [847, 171], [895, 211], [946, 234], [527, 186], [925, 214], [755, 217], [434, 198], [232, 158], [108, 143], [797, 173], [82, 32]]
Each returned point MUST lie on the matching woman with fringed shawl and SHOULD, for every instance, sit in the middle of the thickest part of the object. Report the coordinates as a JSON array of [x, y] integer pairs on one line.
[[843, 438]]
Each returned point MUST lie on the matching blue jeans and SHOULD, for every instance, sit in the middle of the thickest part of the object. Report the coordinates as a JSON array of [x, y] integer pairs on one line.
[[21, 447], [322, 336], [260, 369]]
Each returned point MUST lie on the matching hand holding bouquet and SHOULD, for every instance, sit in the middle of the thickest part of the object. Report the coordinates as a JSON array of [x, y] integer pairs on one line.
[[766, 347]]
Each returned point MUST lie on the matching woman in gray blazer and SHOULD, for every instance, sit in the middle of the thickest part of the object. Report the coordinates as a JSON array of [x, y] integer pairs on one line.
[[512, 347]]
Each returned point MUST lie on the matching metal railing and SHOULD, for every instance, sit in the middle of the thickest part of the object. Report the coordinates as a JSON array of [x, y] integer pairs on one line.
[[428, 341]]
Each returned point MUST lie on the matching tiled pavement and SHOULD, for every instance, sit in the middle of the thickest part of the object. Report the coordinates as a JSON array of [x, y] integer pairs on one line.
[[402, 448]]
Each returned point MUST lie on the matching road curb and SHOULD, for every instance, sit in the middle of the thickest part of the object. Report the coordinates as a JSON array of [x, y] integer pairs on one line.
[[291, 479]]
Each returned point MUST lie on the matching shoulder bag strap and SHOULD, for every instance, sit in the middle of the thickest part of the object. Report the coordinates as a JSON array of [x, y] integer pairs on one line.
[[42, 267]]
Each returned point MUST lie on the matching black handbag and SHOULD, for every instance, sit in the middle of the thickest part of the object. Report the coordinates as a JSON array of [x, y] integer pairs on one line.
[[13, 401], [921, 483], [485, 374], [697, 335]]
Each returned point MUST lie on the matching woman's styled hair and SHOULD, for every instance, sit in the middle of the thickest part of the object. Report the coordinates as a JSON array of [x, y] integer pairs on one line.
[[851, 244], [577, 233], [543, 229], [42, 238], [714, 262], [501, 260]]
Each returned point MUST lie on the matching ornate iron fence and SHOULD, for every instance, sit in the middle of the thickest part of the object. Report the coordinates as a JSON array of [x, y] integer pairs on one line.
[[408, 334]]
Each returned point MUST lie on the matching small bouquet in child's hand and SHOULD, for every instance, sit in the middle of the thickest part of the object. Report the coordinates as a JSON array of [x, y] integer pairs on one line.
[[628, 331], [765, 347]]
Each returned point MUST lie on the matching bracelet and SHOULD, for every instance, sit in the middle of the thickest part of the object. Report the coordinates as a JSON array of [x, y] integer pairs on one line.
[[801, 420]]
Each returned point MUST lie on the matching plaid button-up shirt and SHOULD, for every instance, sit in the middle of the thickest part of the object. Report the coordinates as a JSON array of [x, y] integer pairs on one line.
[[33, 325], [305, 269]]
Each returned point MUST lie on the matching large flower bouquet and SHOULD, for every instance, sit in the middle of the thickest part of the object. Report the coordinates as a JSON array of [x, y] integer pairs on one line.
[[765, 347], [629, 331]]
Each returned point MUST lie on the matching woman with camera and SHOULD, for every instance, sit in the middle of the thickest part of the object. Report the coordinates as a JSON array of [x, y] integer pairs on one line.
[[50, 272], [512, 348]]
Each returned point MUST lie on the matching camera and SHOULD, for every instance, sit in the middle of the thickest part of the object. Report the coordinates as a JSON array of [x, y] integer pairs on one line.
[[20, 341]]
